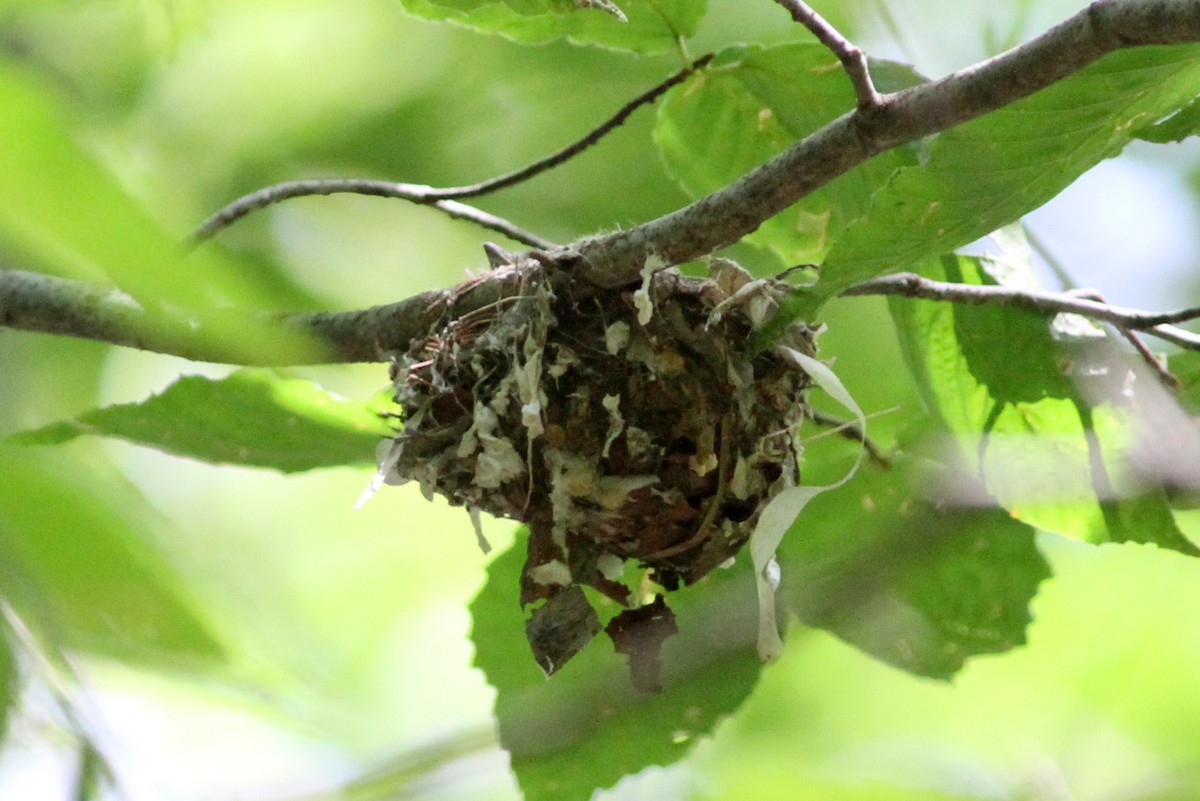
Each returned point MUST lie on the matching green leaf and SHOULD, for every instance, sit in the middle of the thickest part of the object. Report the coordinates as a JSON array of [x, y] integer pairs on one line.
[[249, 418], [1185, 367], [989, 172], [651, 26], [1051, 450], [524, 7], [753, 102], [1176, 128], [586, 727], [916, 582], [76, 560]]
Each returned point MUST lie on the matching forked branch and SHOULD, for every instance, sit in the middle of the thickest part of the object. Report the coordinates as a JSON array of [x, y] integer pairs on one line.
[[853, 59], [442, 198], [720, 219]]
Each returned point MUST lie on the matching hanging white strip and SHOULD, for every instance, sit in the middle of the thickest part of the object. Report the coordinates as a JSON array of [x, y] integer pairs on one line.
[[785, 507]]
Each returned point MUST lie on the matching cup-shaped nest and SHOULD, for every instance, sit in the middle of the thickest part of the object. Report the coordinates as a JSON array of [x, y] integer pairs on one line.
[[631, 424]]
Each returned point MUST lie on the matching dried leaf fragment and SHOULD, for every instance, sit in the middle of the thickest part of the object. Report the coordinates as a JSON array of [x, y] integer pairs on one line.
[[560, 628]]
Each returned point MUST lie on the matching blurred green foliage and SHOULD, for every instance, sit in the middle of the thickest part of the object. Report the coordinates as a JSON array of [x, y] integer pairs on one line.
[[235, 632]]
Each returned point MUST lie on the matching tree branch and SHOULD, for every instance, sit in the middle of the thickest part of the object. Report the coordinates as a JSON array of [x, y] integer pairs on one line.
[[43, 303], [910, 285], [727, 215], [36, 302], [415, 193]]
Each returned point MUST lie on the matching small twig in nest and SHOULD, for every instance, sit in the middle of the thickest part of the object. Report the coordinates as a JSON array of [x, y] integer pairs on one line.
[[850, 430]]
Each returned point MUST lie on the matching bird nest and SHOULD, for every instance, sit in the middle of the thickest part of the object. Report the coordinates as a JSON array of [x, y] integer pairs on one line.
[[623, 426]]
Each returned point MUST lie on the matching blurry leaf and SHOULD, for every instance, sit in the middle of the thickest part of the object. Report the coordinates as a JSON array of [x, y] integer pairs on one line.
[[249, 418], [60, 212], [990, 171], [1005, 387], [1175, 128], [913, 582], [75, 560], [526, 7], [752, 103], [8, 681], [651, 26], [586, 726], [1186, 367]]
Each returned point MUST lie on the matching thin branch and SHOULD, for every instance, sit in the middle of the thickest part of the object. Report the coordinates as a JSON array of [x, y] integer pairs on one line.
[[848, 429], [1135, 340], [415, 193], [461, 211], [853, 59], [725, 216], [442, 198], [574, 149], [910, 285]]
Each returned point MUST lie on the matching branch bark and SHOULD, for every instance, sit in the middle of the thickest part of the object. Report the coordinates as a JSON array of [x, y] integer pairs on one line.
[[42, 303]]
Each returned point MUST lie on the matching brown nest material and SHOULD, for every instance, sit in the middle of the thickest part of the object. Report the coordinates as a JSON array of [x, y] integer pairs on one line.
[[621, 425]]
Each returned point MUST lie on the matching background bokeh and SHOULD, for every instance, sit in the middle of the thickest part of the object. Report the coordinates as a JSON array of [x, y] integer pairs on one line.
[[345, 632]]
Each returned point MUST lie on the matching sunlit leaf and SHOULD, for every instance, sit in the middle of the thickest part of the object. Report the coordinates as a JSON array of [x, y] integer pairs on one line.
[[250, 418], [62, 213], [650, 26], [78, 563], [986, 173], [586, 726], [750, 104], [1015, 398], [915, 582]]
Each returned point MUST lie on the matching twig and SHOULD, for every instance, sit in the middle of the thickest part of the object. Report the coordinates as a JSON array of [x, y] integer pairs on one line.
[[574, 149], [415, 193], [461, 211], [440, 197], [1139, 345], [854, 61], [911, 285], [850, 430]]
